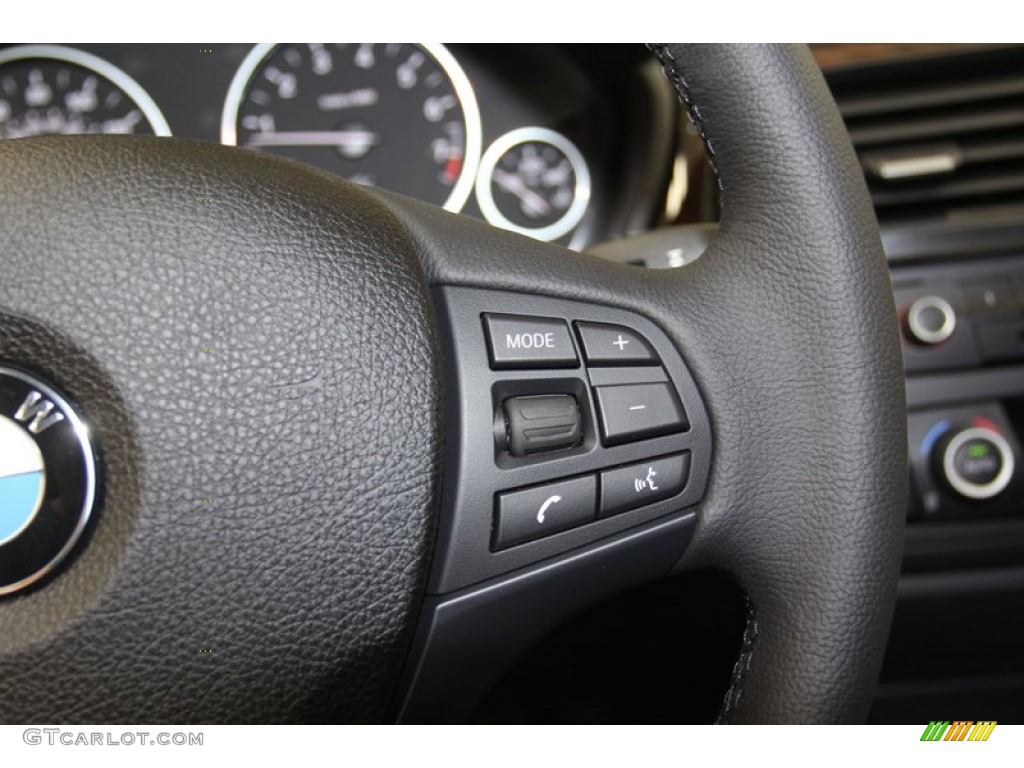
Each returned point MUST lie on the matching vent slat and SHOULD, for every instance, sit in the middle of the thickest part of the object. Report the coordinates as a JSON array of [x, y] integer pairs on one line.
[[934, 96], [918, 160], [931, 126], [1005, 149], [948, 188]]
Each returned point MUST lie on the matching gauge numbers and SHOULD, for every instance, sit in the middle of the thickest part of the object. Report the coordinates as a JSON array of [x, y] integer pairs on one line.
[[48, 89], [533, 181], [400, 116]]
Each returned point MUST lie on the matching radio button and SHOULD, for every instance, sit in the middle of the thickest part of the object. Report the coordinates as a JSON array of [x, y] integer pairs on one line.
[[930, 320]]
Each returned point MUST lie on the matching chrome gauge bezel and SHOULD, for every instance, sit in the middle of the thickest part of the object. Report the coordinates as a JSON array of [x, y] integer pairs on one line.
[[464, 92], [581, 193], [101, 67]]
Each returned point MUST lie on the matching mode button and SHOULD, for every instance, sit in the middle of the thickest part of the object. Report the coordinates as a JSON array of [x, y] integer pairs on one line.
[[517, 341]]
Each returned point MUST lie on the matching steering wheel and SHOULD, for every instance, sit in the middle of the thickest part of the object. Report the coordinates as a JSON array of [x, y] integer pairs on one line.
[[288, 386]]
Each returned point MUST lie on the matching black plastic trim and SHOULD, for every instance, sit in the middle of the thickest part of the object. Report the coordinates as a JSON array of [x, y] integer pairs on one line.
[[942, 545], [907, 244], [466, 641], [965, 386]]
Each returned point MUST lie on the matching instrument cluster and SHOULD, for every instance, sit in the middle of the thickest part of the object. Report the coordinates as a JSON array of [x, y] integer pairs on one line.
[[555, 142]]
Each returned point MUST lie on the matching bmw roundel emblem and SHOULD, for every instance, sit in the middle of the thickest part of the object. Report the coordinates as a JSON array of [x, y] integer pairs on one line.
[[47, 479]]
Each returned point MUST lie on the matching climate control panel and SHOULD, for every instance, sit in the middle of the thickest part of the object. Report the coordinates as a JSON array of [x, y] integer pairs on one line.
[[977, 462], [965, 462]]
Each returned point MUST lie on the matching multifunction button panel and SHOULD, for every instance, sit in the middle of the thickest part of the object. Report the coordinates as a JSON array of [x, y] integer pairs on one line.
[[569, 423]]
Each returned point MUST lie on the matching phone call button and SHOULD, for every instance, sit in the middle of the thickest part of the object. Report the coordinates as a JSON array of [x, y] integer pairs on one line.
[[533, 513]]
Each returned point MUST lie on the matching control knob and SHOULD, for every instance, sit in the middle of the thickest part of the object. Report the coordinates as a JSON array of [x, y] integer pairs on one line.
[[976, 462]]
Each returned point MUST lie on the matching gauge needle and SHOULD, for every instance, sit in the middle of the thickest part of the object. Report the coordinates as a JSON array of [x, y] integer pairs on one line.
[[515, 186], [354, 139]]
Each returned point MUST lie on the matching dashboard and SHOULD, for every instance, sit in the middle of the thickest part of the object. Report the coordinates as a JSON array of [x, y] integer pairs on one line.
[[568, 144]]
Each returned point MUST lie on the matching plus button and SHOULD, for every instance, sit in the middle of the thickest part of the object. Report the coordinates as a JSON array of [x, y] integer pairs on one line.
[[621, 342]]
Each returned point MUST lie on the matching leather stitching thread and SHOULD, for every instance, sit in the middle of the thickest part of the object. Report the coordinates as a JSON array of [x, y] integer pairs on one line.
[[671, 68], [678, 80], [741, 667]]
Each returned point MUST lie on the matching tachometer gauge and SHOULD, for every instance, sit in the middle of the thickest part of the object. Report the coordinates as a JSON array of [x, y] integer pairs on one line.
[[396, 115], [533, 181], [48, 89]]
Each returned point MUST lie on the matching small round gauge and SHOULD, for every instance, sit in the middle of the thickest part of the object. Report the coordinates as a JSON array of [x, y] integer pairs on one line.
[[48, 89], [533, 181], [400, 116]]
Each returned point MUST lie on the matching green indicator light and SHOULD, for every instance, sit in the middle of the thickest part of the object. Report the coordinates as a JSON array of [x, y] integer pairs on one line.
[[978, 450]]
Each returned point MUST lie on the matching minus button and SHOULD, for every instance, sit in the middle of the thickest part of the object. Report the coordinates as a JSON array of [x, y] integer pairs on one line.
[[636, 411]]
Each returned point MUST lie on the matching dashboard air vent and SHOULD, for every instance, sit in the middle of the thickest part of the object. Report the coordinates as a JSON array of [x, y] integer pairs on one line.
[[941, 138]]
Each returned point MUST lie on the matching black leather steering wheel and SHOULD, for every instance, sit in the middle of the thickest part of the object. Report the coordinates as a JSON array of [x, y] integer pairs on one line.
[[317, 426]]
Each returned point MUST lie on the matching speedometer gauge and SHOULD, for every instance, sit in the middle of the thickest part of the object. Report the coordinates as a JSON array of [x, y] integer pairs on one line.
[[396, 115], [49, 89]]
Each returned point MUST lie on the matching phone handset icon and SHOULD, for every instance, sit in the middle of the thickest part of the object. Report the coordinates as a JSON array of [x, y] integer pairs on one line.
[[544, 507]]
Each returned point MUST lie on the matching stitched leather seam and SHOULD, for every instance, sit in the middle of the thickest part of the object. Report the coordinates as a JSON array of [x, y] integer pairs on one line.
[[678, 80], [741, 668]]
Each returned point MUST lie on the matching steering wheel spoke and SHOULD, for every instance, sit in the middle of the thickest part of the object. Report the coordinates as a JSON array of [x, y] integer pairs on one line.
[[577, 451]]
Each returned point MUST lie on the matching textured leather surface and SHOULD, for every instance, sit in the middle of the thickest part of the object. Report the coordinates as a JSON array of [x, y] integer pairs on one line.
[[789, 326], [253, 344]]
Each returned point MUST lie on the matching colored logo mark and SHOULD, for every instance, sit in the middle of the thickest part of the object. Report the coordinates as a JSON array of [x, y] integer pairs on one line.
[[47, 479], [22, 479], [958, 730]]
